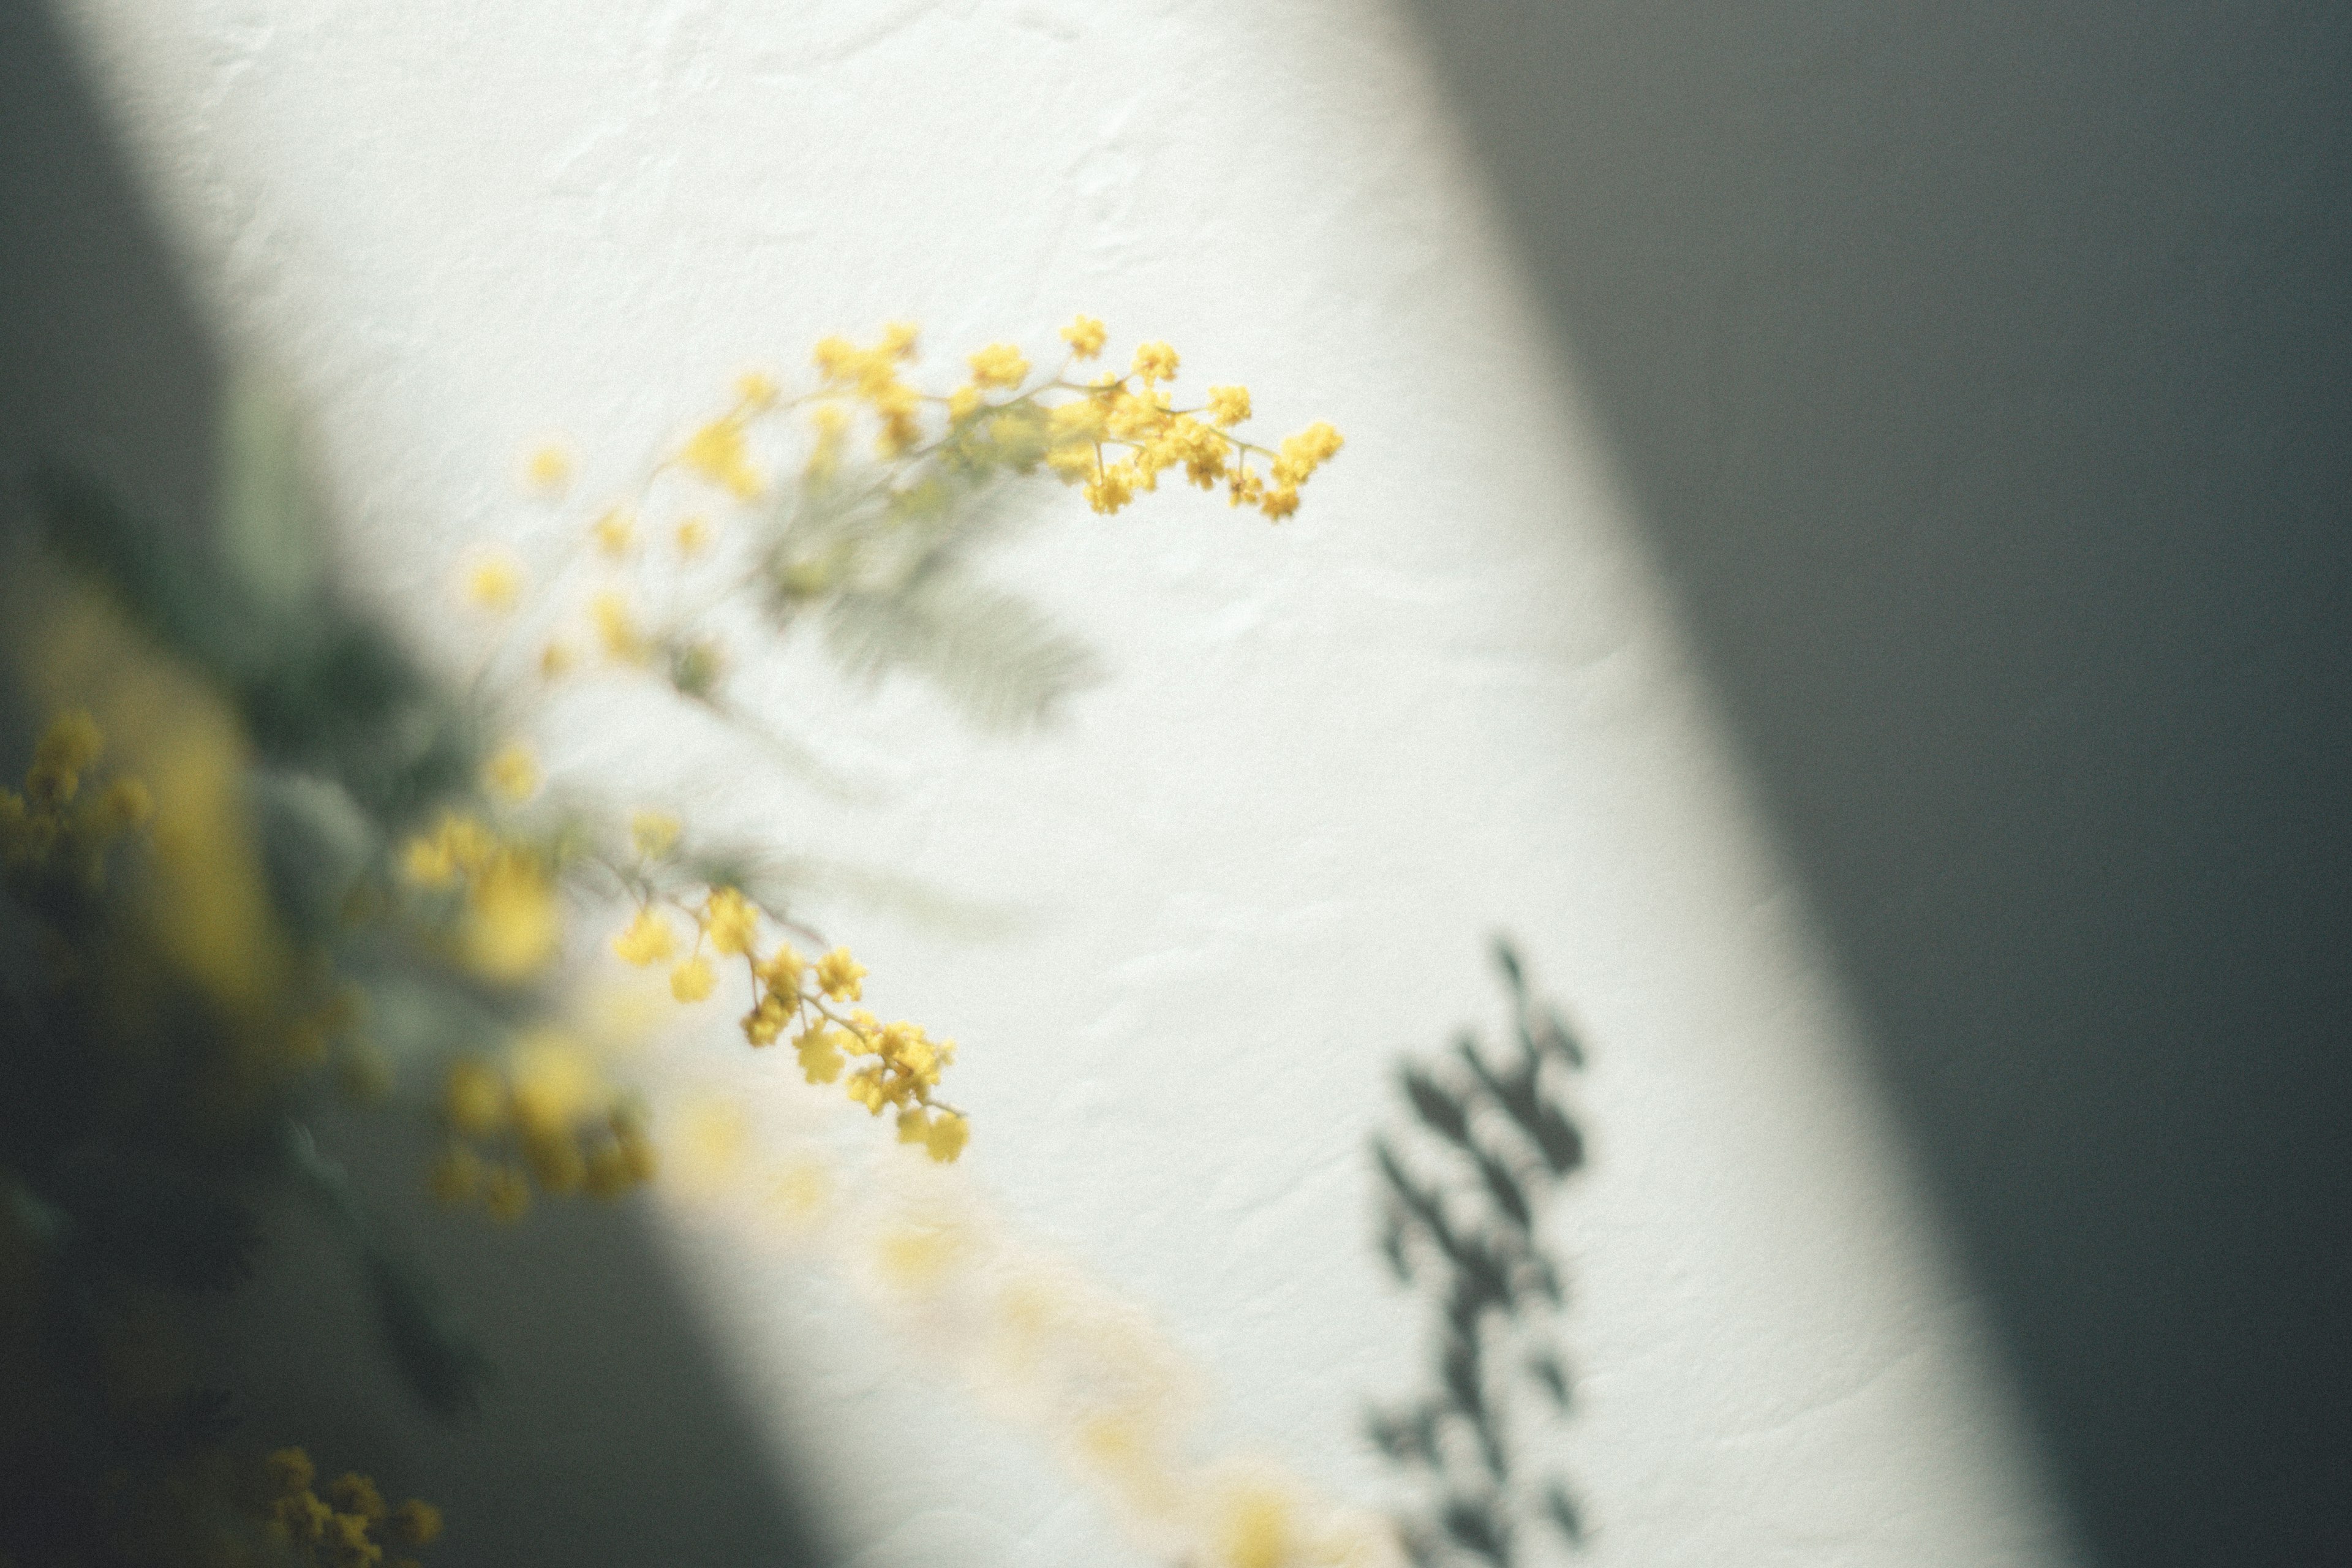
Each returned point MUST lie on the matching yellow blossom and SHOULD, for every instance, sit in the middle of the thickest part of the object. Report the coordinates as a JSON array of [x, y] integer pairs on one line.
[[653, 834], [765, 1022], [692, 979], [415, 1524], [555, 660], [548, 468], [1112, 488], [1314, 445], [730, 920], [357, 1494], [1280, 501], [615, 531], [1155, 362], [495, 583], [947, 1136], [289, 1471], [718, 453], [512, 923], [71, 743], [865, 1087], [782, 972], [998, 364], [757, 389], [1082, 421], [840, 976], [648, 940], [553, 1083], [511, 775], [1256, 1530], [304, 1517], [820, 1053], [1229, 406], [963, 402], [899, 340], [1086, 335], [427, 862], [693, 537], [616, 629]]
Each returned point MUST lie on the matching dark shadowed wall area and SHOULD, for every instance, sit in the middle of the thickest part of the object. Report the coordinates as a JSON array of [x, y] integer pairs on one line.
[[615, 1433], [1983, 377]]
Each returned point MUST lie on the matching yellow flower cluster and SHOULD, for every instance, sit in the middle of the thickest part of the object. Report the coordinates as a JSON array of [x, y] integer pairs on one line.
[[1134, 413], [53, 818], [544, 1118], [510, 921], [871, 376], [348, 1528], [897, 1065], [1113, 435]]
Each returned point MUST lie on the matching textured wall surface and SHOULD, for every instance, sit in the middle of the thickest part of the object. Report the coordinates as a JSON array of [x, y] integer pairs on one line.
[[1259, 861]]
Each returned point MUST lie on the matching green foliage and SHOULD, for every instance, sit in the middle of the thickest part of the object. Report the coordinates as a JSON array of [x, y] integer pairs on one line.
[[891, 579], [1465, 1225]]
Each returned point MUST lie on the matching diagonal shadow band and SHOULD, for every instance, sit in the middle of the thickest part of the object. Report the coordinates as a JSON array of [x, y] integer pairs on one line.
[[1981, 376]]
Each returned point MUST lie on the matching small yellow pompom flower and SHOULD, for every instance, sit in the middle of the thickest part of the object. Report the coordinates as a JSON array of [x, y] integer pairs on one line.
[[654, 833], [553, 1082], [718, 453], [512, 921], [495, 583], [648, 940], [1112, 488], [548, 469], [616, 629], [415, 1524], [1086, 335], [998, 364], [511, 775], [820, 1054], [730, 920], [615, 531], [963, 402], [692, 979], [1155, 362], [765, 1022], [1256, 1530], [946, 1137], [899, 340], [1229, 406], [357, 1495], [288, 1471], [840, 976], [782, 972], [757, 389], [693, 537]]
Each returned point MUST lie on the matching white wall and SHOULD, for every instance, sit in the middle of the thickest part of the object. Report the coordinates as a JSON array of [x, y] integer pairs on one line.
[[1265, 858]]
